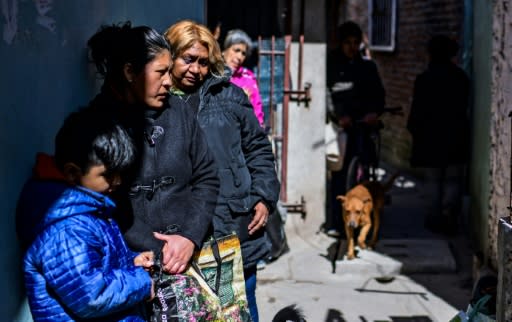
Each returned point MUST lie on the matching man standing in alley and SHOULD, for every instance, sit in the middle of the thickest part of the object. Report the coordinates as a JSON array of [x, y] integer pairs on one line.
[[438, 123], [356, 95]]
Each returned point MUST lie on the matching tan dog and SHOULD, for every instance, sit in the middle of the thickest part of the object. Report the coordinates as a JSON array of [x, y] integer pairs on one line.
[[357, 206]]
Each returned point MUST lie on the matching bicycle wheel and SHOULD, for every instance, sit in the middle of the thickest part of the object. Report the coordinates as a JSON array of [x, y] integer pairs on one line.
[[356, 173]]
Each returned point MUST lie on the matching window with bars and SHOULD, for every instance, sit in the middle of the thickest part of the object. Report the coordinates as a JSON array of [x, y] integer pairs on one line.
[[382, 24]]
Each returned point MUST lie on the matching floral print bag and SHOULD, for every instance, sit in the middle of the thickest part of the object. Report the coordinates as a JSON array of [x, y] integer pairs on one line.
[[211, 289]]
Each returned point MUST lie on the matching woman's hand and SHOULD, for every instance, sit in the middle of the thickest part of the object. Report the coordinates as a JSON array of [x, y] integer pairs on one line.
[[177, 252], [260, 218], [145, 259]]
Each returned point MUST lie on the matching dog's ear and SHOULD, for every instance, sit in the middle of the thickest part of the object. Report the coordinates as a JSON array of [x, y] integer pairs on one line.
[[341, 198], [367, 200]]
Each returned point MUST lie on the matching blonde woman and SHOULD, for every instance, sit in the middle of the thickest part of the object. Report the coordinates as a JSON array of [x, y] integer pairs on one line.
[[249, 187]]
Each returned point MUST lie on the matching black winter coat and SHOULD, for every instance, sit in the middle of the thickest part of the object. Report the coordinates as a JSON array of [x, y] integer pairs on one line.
[[245, 163], [438, 121], [355, 86], [175, 181]]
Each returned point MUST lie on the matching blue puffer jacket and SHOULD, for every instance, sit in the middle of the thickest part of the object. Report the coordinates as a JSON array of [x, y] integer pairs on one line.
[[79, 268]]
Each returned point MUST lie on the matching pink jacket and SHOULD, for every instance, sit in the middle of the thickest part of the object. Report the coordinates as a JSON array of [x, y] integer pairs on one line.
[[245, 79]]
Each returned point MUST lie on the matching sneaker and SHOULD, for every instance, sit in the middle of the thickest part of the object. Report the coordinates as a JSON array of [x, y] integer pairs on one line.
[[261, 264], [333, 233]]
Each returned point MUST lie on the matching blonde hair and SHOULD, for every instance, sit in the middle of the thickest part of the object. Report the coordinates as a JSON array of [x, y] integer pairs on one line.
[[184, 34]]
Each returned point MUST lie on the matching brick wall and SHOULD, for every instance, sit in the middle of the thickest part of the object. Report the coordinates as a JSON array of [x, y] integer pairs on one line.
[[416, 22]]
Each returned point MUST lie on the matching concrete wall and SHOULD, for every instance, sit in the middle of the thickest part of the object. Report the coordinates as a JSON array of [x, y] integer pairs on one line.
[[306, 148], [44, 76]]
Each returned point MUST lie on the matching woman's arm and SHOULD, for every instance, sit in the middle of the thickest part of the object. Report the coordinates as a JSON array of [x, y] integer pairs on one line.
[[260, 161]]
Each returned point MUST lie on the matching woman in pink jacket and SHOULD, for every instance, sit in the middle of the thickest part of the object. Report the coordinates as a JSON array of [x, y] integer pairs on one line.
[[237, 47]]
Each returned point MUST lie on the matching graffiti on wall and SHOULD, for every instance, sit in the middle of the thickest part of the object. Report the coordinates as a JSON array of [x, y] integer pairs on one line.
[[10, 15], [43, 7]]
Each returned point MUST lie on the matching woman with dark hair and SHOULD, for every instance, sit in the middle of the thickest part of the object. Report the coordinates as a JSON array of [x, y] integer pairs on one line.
[[249, 187], [174, 186]]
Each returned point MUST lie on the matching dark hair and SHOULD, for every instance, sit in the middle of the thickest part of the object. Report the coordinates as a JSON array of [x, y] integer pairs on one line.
[[442, 48], [349, 29], [114, 46], [87, 139]]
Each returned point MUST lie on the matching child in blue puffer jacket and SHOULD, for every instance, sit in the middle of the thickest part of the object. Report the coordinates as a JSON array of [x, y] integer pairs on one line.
[[77, 266]]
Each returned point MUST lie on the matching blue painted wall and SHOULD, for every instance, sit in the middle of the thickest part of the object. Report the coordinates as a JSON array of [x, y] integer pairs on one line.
[[45, 75]]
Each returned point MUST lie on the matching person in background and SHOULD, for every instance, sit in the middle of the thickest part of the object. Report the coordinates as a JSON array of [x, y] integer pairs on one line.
[[356, 95], [249, 187], [439, 125], [174, 185], [237, 48], [78, 266]]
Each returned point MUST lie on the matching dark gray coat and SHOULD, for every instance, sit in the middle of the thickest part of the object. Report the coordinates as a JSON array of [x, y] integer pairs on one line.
[[174, 183], [244, 159], [355, 86]]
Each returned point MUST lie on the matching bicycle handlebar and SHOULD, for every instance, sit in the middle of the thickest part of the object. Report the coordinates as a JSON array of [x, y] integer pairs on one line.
[[395, 110]]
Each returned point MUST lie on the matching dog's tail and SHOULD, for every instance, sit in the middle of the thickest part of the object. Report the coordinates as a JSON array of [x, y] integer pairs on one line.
[[290, 313], [389, 183]]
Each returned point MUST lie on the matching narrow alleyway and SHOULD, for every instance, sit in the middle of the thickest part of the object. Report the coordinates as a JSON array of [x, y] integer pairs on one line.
[[413, 275]]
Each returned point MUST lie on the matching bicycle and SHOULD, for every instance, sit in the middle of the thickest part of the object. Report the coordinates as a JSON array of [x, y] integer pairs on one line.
[[365, 162]]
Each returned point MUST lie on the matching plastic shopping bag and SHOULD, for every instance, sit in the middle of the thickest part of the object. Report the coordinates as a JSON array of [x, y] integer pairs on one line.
[[473, 314], [212, 289]]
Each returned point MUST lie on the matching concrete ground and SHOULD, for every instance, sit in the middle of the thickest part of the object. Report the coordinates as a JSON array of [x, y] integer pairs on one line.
[[412, 275]]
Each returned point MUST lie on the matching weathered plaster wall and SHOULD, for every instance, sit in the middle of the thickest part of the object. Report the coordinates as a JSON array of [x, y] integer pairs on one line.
[[500, 134]]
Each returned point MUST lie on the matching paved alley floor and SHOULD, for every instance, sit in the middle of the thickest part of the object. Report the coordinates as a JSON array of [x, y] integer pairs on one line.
[[413, 275]]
